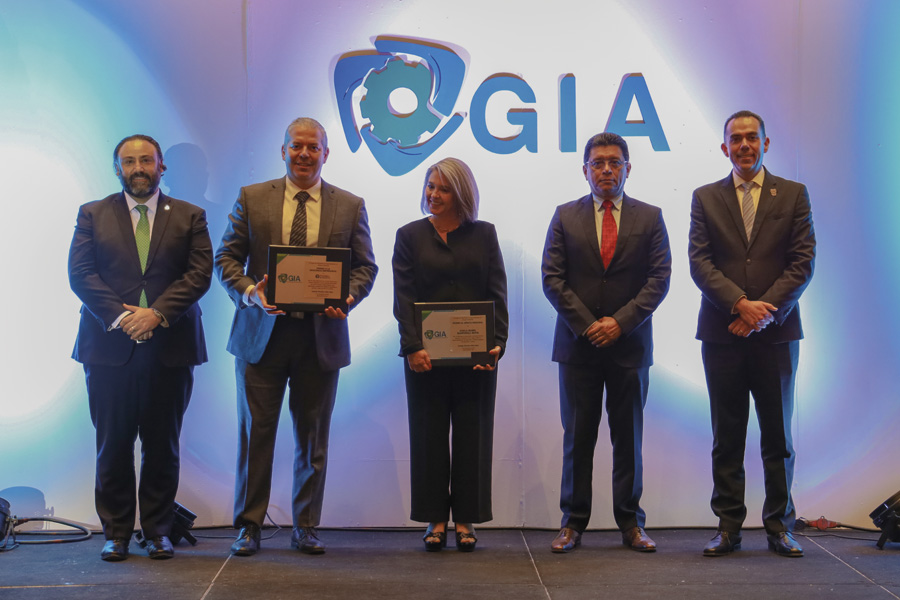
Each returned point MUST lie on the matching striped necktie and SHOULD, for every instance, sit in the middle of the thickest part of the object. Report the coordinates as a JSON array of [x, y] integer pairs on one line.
[[748, 211], [298, 225]]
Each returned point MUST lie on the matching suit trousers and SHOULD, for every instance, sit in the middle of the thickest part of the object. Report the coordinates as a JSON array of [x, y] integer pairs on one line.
[[140, 399], [455, 403], [734, 372], [581, 407], [290, 358]]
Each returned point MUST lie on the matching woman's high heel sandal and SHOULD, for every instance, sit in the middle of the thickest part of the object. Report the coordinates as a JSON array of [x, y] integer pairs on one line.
[[465, 541], [434, 540]]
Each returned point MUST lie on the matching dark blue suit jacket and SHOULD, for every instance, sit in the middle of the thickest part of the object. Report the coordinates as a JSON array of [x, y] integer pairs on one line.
[[629, 290], [105, 272], [775, 265]]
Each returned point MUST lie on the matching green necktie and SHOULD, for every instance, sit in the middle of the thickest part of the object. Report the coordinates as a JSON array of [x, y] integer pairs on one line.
[[142, 237]]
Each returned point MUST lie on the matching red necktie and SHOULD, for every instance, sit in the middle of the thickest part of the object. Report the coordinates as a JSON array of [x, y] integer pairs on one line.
[[609, 234]]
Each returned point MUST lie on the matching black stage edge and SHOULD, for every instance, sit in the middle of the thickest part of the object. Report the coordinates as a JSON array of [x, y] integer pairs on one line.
[[508, 563]]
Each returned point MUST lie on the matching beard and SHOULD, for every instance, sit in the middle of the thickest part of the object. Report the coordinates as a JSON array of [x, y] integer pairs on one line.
[[140, 185]]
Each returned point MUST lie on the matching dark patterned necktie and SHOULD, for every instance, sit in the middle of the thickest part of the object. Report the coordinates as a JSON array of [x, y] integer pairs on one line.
[[298, 226], [609, 234]]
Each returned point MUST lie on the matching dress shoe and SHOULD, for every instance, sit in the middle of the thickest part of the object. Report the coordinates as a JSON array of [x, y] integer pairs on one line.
[[115, 550], [306, 540], [783, 543], [247, 542], [160, 548], [724, 543], [637, 539], [567, 540], [434, 540], [466, 540]]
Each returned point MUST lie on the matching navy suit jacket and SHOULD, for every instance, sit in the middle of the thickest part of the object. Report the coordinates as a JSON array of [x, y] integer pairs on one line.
[[105, 272], [775, 265], [629, 290], [242, 259]]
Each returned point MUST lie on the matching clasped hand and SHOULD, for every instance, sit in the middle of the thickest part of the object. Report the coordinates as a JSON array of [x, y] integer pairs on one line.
[[139, 325], [753, 315], [603, 332]]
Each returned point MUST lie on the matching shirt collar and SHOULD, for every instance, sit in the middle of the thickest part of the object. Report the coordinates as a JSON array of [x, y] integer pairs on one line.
[[598, 202], [758, 180], [291, 189], [150, 204]]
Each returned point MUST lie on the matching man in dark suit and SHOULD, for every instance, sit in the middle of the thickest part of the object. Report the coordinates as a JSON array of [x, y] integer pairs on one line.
[[606, 268], [139, 262], [273, 349], [752, 249]]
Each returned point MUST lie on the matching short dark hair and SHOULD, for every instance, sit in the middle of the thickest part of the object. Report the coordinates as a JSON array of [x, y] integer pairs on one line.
[[137, 136], [740, 114], [607, 138]]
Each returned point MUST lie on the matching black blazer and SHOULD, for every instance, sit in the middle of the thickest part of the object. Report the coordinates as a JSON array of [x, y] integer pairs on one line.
[[775, 265], [105, 272], [629, 290], [469, 267]]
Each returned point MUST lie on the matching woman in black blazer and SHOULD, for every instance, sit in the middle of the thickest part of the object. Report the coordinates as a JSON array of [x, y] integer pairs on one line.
[[449, 256]]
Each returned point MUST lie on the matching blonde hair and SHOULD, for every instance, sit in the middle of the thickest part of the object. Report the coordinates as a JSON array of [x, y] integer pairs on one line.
[[462, 182]]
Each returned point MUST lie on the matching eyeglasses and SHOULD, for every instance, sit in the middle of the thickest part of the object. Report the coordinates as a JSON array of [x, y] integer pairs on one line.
[[598, 165]]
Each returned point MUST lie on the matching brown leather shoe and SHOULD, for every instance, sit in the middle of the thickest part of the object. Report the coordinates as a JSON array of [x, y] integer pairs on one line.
[[567, 540], [637, 539]]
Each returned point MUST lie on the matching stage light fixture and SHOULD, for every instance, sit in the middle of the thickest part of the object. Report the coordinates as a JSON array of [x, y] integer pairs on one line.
[[887, 518]]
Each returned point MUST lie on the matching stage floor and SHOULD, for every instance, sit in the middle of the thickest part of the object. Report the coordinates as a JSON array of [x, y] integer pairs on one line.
[[508, 563]]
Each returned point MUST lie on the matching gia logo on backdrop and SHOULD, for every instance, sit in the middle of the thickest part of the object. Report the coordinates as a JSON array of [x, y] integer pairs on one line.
[[401, 138]]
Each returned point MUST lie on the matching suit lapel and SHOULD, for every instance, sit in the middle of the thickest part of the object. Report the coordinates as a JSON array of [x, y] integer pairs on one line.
[[768, 196], [728, 197], [585, 214], [160, 222], [123, 218], [327, 214], [275, 213], [627, 219]]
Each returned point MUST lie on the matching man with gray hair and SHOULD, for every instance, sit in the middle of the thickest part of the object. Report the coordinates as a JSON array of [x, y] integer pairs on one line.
[[273, 349]]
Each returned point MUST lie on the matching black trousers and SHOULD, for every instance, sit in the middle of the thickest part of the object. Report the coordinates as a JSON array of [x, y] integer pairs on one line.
[[581, 390], [455, 403], [141, 399], [290, 358], [734, 373]]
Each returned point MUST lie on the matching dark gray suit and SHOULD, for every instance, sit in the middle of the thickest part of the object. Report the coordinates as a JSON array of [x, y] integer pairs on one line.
[[582, 291], [774, 266], [270, 351]]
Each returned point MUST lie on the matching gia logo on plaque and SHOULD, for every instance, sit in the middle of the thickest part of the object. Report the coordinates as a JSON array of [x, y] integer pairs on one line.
[[307, 279], [456, 333]]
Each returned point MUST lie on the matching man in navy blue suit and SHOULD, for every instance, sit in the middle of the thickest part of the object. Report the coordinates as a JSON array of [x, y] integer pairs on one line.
[[606, 268], [139, 262], [752, 251]]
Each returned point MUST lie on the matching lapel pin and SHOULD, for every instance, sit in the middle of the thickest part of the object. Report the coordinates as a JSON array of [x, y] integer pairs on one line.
[[771, 191], [167, 206]]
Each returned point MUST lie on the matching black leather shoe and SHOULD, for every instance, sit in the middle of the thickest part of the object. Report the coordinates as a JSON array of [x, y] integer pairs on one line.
[[783, 543], [567, 540], [160, 548], [466, 540], [434, 540], [724, 543], [306, 540], [247, 542], [115, 550]]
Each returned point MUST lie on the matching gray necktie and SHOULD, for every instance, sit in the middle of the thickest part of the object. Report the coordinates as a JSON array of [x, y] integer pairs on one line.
[[298, 226], [747, 209]]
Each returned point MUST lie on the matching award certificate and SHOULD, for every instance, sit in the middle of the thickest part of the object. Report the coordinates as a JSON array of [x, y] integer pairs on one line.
[[305, 279], [456, 333]]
